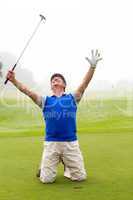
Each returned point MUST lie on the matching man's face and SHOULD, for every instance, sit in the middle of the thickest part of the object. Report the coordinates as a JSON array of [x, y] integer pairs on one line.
[[57, 82]]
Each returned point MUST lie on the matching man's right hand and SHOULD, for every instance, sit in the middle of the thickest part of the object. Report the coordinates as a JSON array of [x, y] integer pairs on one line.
[[35, 97], [11, 76]]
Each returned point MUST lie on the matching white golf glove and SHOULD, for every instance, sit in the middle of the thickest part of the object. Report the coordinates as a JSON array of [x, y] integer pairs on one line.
[[95, 57]]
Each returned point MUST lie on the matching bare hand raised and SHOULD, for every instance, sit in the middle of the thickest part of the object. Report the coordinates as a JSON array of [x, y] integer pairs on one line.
[[11, 76]]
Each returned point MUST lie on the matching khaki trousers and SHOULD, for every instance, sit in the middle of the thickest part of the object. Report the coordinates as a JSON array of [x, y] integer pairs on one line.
[[67, 152]]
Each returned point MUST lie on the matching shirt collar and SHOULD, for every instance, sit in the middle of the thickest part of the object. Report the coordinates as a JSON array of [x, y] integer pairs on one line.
[[53, 95]]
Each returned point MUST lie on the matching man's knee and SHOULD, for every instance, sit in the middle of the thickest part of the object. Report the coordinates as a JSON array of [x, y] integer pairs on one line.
[[46, 179], [79, 178]]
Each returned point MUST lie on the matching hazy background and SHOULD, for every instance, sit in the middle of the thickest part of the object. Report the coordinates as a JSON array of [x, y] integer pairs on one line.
[[72, 29]]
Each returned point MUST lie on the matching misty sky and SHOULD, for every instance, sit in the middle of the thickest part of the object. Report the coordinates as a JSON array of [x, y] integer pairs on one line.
[[72, 29]]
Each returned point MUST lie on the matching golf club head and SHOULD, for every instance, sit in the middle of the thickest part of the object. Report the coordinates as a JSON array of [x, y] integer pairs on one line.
[[42, 17]]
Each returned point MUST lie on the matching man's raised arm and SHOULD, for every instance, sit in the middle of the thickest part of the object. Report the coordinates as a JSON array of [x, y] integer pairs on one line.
[[35, 97], [95, 57]]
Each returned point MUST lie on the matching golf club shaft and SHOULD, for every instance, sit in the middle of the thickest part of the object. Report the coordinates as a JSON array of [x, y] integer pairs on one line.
[[26, 46]]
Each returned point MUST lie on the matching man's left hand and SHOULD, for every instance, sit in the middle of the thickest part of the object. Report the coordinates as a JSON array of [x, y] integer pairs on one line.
[[95, 58]]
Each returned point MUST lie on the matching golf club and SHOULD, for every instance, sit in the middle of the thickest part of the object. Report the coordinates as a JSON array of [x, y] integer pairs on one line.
[[42, 19]]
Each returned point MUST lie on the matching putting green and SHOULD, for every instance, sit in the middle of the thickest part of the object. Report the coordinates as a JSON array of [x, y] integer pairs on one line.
[[108, 160], [106, 139]]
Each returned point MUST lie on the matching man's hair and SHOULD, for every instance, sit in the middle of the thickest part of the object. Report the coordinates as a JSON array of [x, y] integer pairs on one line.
[[58, 75]]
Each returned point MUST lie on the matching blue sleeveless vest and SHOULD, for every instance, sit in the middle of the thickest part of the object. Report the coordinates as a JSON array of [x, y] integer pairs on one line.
[[60, 118]]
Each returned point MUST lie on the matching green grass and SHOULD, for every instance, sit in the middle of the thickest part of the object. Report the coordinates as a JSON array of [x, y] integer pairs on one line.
[[108, 161], [106, 139]]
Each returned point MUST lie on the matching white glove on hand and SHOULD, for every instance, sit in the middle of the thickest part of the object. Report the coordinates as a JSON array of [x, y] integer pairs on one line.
[[95, 57]]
